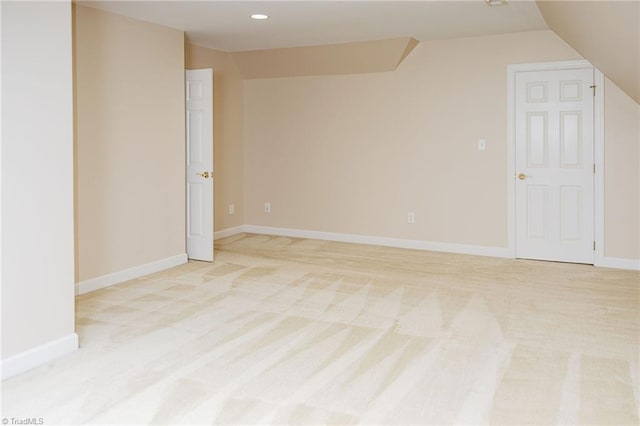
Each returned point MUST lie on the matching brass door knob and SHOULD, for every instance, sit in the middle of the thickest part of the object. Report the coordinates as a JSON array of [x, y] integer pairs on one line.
[[522, 176], [203, 174]]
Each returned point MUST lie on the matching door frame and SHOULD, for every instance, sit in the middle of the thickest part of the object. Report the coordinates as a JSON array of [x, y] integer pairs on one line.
[[598, 147]]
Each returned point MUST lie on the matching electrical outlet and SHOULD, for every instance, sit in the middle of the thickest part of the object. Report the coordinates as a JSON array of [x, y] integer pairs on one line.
[[411, 217], [267, 207], [232, 208], [482, 144]]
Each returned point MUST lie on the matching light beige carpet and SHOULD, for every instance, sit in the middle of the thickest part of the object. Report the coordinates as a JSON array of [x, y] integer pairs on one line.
[[296, 331]]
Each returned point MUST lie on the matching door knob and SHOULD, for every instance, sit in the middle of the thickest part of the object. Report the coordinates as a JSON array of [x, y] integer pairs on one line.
[[522, 176], [203, 174]]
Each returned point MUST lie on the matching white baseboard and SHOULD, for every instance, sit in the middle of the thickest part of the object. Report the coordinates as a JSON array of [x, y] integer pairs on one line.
[[619, 263], [604, 262], [504, 252], [129, 274], [40, 355], [380, 241], [228, 232]]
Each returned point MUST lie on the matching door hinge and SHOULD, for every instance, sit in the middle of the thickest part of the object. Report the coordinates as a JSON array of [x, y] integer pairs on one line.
[[594, 246], [594, 168], [593, 86]]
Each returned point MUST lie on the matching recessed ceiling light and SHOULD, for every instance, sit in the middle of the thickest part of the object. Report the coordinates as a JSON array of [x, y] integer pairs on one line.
[[496, 2], [259, 16]]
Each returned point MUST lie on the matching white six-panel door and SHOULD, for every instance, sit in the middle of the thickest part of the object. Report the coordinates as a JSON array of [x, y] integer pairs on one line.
[[199, 135], [554, 113]]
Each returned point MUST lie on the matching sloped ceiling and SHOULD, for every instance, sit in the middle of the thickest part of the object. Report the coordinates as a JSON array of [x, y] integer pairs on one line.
[[345, 58], [606, 33]]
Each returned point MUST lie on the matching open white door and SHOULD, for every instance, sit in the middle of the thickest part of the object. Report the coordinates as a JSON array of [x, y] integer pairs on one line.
[[554, 117], [199, 123]]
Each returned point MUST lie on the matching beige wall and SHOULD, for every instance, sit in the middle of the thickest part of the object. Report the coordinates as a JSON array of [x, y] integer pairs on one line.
[[622, 174], [227, 128], [130, 142], [351, 153], [355, 153], [37, 184]]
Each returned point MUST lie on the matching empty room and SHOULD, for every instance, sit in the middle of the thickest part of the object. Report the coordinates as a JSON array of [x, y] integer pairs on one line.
[[320, 212]]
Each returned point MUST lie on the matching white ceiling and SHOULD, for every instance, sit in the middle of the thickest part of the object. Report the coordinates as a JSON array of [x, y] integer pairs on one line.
[[226, 25]]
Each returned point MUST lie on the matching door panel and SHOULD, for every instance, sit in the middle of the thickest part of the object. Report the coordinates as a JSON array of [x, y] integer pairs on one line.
[[199, 134], [537, 139], [554, 165], [570, 213], [571, 139], [537, 210]]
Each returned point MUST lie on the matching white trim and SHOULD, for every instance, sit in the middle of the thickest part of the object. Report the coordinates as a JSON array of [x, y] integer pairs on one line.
[[380, 241], [228, 232], [598, 159], [619, 263], [604, 262], [129, 274], [511, 160], [598, 142], [547, 66], [40, 355]]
